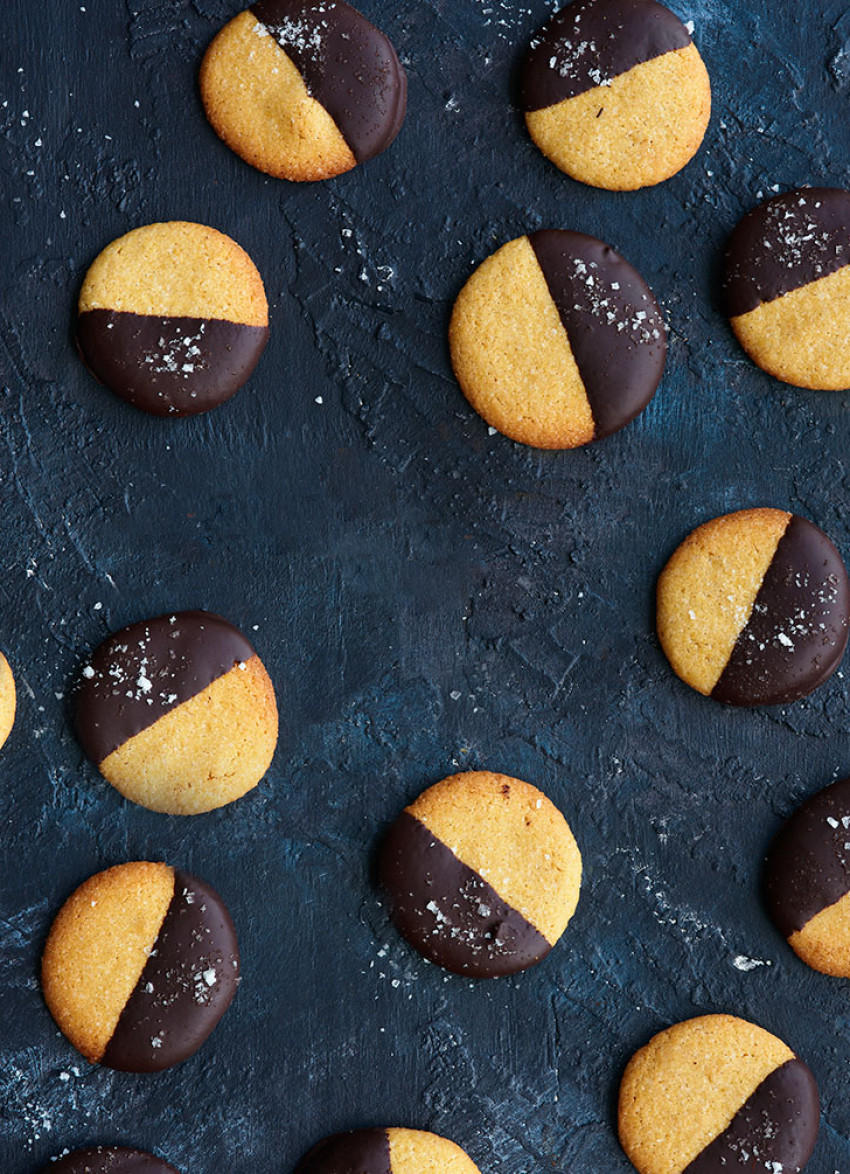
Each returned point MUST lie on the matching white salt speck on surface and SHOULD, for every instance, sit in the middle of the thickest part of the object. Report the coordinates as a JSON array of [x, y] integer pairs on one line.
[[88, 672], [491, 431], [209, 977], [455, 695], [689, 25], [319, 400], [742, 962]]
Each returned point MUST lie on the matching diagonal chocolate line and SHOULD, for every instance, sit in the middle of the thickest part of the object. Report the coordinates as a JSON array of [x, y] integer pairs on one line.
[[109, 1160], [362, 1151], [590, 42]]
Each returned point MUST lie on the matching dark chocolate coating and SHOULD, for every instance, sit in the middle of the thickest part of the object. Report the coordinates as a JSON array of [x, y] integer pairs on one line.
[[109, 1160], [188, 982], [590, 42], [362, 1151], [348, 65], [797, 632], [169, 366], [776, 1129], [784, 244], [808, 865], [612, 320], [148, 668], [448, 912]]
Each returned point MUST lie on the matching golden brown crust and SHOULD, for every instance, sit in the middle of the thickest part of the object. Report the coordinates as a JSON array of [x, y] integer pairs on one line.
[[412, 1151], [824, 942], [8, 700]]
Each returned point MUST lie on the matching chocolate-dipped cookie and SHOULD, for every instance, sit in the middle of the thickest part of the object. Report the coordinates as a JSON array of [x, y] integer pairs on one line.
[[717, 1094], [108, 1160], [386, 1151], [139, 966], [753, 608], [8, 699], [482, 874], [556, 340], [303, 89], [615, 93], [807, 880], [786, 287], [178, 713], [173, 318]]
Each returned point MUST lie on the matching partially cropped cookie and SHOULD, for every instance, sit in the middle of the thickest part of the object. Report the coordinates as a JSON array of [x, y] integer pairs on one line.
[[386, 1151], [178, 713], [615, 93], [8, 700], [807, 880], [303, 89], [173, 318], [753, 608], [786, 286], [482, 874], [108, 1160], [139, 966], [556, 340], [717, 1094]]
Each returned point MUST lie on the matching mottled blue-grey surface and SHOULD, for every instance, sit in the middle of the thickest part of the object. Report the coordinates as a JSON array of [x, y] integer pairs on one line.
[[426, 596]]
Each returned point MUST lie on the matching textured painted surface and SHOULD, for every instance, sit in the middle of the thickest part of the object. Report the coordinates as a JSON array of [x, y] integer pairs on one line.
[[427, 597]]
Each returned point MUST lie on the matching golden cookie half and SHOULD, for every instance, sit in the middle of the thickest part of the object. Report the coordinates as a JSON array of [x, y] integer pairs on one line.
[[139, 966], [483, 874], [615, 93], [753, 608], [303, 89], [173, 318], [386, 1151], [178, 713], [717, 1093], [556, 340], [786, 286], [8, 699]]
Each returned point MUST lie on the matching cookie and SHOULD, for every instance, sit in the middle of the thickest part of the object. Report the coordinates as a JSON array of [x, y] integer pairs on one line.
[[386, 1151], [615, 93], [303, 89], [7, 699], [556, 340], [139, 966], [108, 1160], [482, 873], [173, 318], [717, 1094], [753, 608], [178, 713], [807, 880], [786, 287]]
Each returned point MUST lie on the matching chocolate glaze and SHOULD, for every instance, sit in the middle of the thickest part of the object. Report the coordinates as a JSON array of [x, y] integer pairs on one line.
[[109, 1160], [613, 323], [362, 1151], [776, 1129], [784, 244], [169, 366], [450, 913], [797, 632], [590, 42], [188, 982], [347, 64], [808, 865], [145, 670]]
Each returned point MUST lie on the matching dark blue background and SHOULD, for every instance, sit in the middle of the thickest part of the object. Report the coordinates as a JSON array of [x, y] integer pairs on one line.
[[426, 596]]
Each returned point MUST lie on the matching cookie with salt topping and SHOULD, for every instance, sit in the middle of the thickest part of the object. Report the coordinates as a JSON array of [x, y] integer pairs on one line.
[[482, 873], [556, 340], [615, 93], [786, 287], [140, 965], [303, 89], [8, 699], [108, 1160], [386, 1151], [753, 608], [178, 713]]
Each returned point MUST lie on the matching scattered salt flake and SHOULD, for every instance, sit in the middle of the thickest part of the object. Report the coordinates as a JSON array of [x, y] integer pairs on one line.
[[319, 400], [689, 25], [491, 431], [209, 977], [455, 695], [742, 962], [88, 672]]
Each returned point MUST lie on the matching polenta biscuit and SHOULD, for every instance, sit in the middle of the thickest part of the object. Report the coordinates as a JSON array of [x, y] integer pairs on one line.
[[482, 873], [178, 713], [173, 318], [303, 89], [786, 286], [8, 700], [615, 93], [386, 1151], [556, 340], [717, 1094], [139, 966], [753, 608], [108, 1160]]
